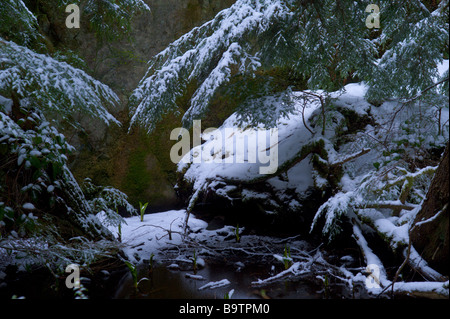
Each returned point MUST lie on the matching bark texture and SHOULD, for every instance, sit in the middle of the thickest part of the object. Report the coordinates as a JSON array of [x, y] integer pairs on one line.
[[432, 239]]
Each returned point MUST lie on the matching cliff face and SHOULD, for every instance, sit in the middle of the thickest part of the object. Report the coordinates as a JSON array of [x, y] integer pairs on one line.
[[123, 64], [136, 163]]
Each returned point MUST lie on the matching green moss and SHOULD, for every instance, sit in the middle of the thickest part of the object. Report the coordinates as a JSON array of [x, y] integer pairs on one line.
[[316, 147], [142, 176], [136, 181], [192, 14], [320, 165], [134, 162]]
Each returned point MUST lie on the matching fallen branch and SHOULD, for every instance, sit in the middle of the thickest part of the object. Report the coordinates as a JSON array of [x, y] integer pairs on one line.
[[169, 231], [190, 207], [413, 259], [386, 205], [418, 95], [288, 239], [432, 217], [431, 290], [429, 170], [216, 284], [370, 257], [293, 270], [416, 262], [352, 157]]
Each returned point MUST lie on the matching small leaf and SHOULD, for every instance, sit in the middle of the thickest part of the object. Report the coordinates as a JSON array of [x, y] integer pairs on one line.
[[35, 162]]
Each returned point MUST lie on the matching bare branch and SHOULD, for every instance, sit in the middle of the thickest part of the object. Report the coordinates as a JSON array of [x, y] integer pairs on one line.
[[387, 205], [418, 95], [352, 157]]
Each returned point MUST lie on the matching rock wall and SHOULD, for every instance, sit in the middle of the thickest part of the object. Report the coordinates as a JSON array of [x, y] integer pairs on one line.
[[136, 163]]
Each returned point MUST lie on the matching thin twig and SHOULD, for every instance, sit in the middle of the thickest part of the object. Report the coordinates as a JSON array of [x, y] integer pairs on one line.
[[418, 95]]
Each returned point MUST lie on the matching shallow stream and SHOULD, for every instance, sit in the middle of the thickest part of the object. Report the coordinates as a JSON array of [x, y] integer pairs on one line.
[[165, 283]]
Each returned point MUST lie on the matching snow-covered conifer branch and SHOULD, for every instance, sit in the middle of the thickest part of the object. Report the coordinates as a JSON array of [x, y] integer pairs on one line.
[[18, 23], [205, 55], [56, 88]]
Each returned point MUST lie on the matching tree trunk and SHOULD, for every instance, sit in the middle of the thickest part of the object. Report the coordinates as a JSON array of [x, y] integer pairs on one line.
[[431, 239]]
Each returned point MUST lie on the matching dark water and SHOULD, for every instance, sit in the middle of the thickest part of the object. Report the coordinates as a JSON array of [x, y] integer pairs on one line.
[[164, 283]]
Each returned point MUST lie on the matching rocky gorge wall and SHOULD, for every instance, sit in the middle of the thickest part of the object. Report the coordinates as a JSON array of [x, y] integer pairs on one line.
[[136, 163]]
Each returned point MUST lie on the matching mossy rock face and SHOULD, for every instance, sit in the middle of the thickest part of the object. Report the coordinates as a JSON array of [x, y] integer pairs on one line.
[[148, 172], [137, 163]]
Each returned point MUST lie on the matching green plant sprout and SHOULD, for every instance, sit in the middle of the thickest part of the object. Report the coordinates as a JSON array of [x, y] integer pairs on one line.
[[133, 272], [287, 257], [263, 294], [238, 238], [194, 262], [134, 275], [142, 209], [151, 265], [326, 283], [229, 294]]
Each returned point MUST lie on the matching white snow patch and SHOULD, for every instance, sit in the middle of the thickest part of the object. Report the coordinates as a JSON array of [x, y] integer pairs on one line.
[[423, 286], [216, 284], [141, 239], [28, 206], [225, 160]]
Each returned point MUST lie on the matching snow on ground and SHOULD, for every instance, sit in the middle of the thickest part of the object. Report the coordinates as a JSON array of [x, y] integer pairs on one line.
[[141, 239]]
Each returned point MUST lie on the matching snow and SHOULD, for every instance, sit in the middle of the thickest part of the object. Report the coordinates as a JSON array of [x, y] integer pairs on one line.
[[196, 277], [188, 57], [420, 262], [6, 104], [295, 269], [423, 287], [74, 89], [299, 178], [28, 206], [290, 135], [442, 67], [141, 239], [216, 284], [356, 89], [370, 257], [397, 234]]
